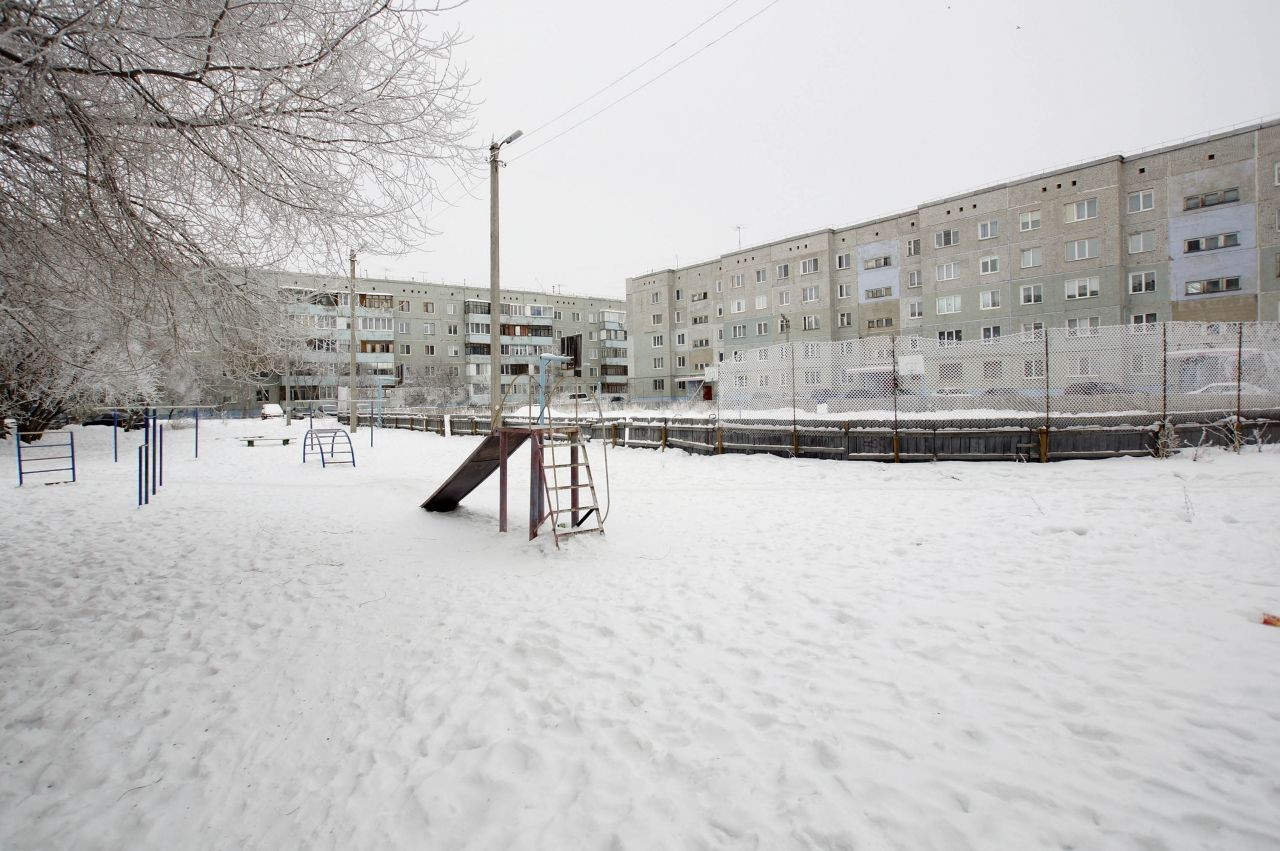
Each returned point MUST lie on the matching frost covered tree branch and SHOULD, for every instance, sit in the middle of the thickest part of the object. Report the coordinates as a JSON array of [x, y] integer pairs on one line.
[[152, 151]]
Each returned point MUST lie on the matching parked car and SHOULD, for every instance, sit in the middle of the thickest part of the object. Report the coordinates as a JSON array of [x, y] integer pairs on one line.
[[951, 391], [127, 420], [1228, 388], [1091, 388], [271, 411]]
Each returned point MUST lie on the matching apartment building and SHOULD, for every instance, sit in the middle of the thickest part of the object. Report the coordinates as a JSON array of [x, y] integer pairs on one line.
[[429, 343], [1189, 232]]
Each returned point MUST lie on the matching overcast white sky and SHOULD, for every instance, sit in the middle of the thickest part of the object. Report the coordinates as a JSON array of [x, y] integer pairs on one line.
[[812, 114]]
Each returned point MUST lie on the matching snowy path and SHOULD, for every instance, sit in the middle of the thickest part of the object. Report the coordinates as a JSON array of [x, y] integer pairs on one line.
[[760, 654]]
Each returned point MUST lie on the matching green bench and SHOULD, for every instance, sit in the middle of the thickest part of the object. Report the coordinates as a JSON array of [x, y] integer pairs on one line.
[[257, 438]]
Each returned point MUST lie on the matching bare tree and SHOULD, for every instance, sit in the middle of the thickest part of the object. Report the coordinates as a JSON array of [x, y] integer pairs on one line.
[[152, 152]]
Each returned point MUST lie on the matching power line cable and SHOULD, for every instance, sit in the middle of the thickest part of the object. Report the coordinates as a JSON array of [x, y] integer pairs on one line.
[[606, 88], [648, 83]]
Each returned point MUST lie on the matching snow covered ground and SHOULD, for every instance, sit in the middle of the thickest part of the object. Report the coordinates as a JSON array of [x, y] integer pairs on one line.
[[760, 653]]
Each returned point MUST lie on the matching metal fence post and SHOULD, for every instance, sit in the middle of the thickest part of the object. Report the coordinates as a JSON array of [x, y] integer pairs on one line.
[[893, 391], [1239, 371], [1166, 435], [1044, 432]]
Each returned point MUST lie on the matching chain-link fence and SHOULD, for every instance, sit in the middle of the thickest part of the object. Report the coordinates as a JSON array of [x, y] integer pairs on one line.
[[1091, 373]]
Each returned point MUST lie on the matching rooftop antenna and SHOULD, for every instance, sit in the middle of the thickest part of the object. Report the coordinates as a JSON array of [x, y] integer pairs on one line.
[[739, 228]]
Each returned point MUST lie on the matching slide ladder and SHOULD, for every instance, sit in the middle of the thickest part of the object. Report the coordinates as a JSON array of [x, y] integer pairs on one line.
[[571, 503]]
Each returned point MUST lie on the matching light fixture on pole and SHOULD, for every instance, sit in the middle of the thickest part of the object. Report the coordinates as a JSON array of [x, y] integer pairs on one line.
[[495, 293]]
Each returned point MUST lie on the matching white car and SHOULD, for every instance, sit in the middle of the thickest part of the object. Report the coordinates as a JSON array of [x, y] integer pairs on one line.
[[1228, 388], [271, 411]]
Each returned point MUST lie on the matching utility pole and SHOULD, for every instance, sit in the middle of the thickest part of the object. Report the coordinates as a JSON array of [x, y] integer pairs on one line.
[[354, 421], [495, 292]]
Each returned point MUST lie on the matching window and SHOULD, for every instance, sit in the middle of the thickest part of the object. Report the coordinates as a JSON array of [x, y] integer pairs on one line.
[[402, 327], [656, 319], [913, 247], [451, 329], [808, 267], [885, 322], [950, 374], [404, 349], [1033, 369], [1212, 243], [988, 230], [844, 291], [783, 325], [810, 323], [762, 328], [989, 265], [878, 292], [659, 363], [914, 278], [1033, 331], [1211, 199], [948, 304], [762, 276], [719, 310], [1142, 282], [719, 286], [428, 307], [1081, 210], [877, 262], [762, 354], [738, 331], [655, 297], [402, 306], [942, 239], [429, 350], [679, 297], [989, 299], [947, 271], [675, 318], [844, 320], [1082, 249], [1277, 170], [1084, 365], [681, 361], [1082, 287], [784, 298], [812, 378], [1212, 285], [809, 294], [659, 384], [1140, 323], [1141, 201], [657, 341], [762, 301], [950, 338], [1029, 221], [1032, 257], [1086, 326], [737, 280], [1142, 242], [783, 271], [843, 261], [738, 306], [990, 333], [915, 309]]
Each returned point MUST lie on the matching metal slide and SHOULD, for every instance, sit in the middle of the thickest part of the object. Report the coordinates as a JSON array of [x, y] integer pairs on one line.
[[479, 466]]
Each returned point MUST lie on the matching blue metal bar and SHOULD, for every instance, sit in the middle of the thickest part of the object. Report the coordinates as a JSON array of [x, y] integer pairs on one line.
[[197, 432], [161, 464], [115, 438], [73, 455], [17, 442], [142, 454]]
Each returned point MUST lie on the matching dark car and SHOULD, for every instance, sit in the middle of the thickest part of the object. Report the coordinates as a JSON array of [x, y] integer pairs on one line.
[[127, 420], [1091, 388]]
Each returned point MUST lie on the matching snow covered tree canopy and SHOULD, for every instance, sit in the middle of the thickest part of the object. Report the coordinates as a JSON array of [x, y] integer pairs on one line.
[[144, 145]]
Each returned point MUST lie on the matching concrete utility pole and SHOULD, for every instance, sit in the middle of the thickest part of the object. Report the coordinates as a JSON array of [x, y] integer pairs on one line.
[[495, 291], [354, 422]]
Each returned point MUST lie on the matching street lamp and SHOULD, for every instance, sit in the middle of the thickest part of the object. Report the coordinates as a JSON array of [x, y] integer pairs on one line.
[[495, 328]]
